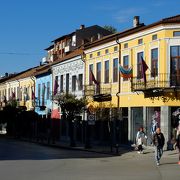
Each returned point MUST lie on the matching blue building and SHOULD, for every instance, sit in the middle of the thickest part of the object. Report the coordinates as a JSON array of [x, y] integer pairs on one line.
[[43, 90]]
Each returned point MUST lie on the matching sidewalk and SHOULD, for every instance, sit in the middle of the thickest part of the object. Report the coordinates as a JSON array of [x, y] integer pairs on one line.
[[104, 149]]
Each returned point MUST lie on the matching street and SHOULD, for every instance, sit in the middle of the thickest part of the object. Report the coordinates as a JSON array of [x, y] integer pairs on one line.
[[28, 161]]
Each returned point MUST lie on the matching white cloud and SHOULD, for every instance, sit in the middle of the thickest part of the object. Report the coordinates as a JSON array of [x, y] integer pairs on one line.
[[126, 14]]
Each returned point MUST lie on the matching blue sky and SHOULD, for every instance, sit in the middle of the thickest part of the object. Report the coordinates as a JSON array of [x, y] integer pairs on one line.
[[29, 26]]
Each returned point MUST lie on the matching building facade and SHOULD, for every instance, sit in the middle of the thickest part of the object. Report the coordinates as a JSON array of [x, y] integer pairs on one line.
[[150, 100], [43, 90]]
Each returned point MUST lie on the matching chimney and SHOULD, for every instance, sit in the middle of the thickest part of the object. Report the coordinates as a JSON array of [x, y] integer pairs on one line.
[[82, 26], [136, 21]]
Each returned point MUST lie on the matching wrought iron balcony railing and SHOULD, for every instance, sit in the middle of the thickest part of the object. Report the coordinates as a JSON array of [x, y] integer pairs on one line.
[[91, 90], [162, 81]]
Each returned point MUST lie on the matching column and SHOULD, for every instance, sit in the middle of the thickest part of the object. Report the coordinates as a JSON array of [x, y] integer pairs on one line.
[[130, 126], [165, 123]]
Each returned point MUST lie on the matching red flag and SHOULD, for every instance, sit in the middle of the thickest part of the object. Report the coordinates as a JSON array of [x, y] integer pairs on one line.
[[92, 78], [13, 95], [144, 68], [56, 85], [32, 93]]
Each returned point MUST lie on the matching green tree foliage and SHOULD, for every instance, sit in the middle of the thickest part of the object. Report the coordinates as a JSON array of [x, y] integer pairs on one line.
[[70, 104], [110, 28]]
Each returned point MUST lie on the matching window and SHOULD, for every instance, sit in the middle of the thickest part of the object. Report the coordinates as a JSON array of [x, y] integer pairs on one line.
[[139, 69], [14, 92], [125, 64], [115, 49], [90, 56], [9, 93], [106, 73], [17, 93], [115, 70], [61, 83], [175, 66], [56, 85], [98, 53], [60, 46], [106, 51], [57, 47], [154, 62], [20, 93], [154, 37], [90, 75], [48, 90], [176, 33], [98, 75], [63, 45], [67, 83], [80, 82], [25, 94], [140, 41], [39, 93], [125, 45], [43, 94], [73, 83]]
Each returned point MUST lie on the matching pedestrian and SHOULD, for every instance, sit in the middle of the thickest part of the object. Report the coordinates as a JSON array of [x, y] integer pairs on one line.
[[178, 145], [158, 142], [140, 139]]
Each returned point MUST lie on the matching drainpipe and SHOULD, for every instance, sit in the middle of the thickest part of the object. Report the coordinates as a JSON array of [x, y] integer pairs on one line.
[[18, 92], [83, 55], [33, 79], [119, 84], [85, 122]]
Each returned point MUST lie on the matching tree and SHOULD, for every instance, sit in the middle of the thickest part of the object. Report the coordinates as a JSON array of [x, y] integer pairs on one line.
[[110, 28], [70, 107]]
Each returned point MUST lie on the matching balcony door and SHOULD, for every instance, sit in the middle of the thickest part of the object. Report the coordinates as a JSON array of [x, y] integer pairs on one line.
[[175, 66]]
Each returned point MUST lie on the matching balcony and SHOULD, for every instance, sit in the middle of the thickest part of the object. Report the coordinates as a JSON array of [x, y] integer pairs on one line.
[[99, 93], [156, 86], [161, 81]]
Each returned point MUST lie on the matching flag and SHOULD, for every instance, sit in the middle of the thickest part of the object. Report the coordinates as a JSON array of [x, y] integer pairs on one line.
[[4, 99], [144, 68], [125, 73], [13, 95], [56, 85], [92, 78], [32, 93]]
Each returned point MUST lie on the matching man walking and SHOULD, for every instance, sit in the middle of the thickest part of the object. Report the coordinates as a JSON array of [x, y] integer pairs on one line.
[[158, 141]]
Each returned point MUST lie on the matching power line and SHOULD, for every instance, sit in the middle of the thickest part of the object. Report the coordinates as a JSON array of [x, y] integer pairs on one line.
[[21, 53]]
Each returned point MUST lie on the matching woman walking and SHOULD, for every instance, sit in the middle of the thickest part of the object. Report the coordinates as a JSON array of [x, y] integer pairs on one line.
[[140, 138]]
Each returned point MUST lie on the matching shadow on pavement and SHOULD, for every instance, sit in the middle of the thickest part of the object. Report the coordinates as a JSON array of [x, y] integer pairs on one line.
[[11, 149]]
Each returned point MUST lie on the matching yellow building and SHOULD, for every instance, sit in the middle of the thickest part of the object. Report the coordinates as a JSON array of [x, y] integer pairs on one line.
[[20, 88], [151, 100]]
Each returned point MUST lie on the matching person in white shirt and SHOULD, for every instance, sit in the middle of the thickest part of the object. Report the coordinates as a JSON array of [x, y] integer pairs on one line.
[[140, 139]]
